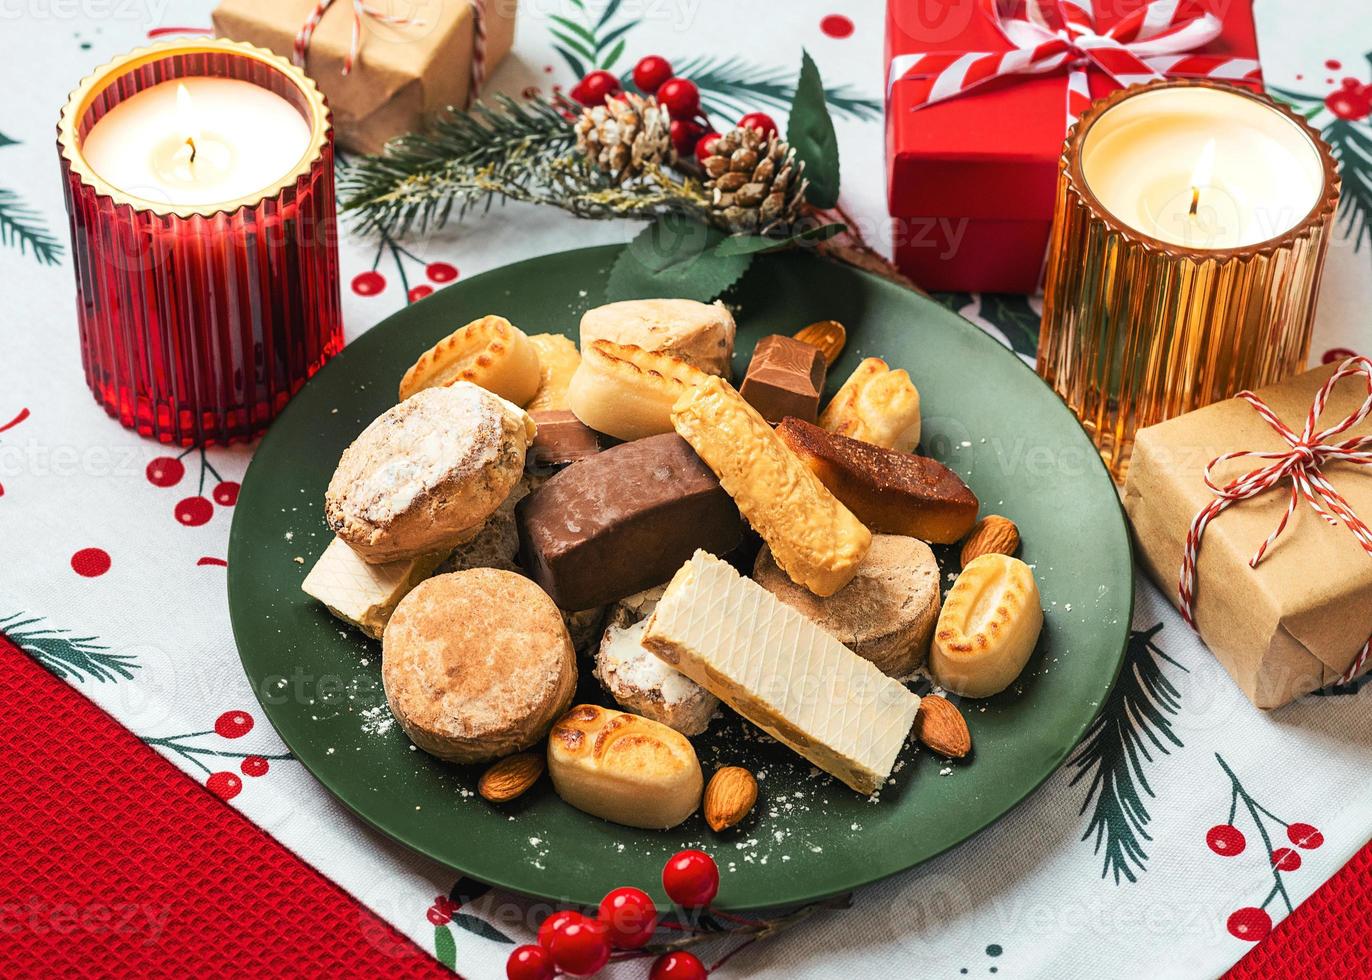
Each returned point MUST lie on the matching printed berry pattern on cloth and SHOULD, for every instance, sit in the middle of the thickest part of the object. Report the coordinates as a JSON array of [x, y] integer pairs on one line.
[[115, 580]]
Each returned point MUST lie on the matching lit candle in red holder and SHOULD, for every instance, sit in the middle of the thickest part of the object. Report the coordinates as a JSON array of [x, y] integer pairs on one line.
[[199, 183]]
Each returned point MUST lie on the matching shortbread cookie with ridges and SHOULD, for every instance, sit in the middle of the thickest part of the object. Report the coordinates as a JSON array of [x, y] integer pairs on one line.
[[490, 352], [628, 392], [558, 360], [361, 594], [814, 538], [782, 672], [877, 405], [624, 768], [988, 627], [701, 334], [477, 665], [427, 473]]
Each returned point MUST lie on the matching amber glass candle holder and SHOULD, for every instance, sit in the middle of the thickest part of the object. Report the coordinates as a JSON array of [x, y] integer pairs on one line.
[[1139, 328], [198, 322]]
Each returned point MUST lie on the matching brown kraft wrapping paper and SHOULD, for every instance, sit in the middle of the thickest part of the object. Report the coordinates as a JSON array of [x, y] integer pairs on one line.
[[1295, 622], [403, 73]]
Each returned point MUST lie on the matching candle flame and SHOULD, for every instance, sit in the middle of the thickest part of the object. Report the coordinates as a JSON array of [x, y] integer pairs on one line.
[[185, 117], [1200, 177]]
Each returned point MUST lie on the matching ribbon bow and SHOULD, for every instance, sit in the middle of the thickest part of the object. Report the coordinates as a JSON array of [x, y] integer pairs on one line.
[[360, 10], [1301, 464], [1049, 36]]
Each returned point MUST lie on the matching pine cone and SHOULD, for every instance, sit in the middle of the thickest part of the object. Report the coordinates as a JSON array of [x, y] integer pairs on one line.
[[625, 135], [755, 184]]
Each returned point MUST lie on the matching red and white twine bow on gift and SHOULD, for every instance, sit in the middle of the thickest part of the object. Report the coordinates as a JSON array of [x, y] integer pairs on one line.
[[1301, 464], [362, 10], [1051, 36]]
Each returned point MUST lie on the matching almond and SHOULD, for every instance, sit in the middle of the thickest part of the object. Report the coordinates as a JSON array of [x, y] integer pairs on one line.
[[729, 797], [828, 335], [511, 776], [993, 535], [941, 727]]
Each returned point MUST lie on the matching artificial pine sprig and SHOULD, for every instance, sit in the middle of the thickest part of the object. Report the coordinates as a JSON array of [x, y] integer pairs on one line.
[[495, 150], [21, 227]]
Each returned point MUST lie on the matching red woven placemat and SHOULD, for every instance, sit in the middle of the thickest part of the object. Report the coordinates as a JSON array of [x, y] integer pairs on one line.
[[114, 863]]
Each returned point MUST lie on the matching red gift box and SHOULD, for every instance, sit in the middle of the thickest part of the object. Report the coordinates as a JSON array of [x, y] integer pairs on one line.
[[971, 180]]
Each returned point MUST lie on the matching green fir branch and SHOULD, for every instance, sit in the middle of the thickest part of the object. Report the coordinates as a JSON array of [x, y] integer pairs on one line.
[[594, 42], [1351, 144], [21, 227], [1115, 750], [74, 658], [731, 86], [468, 158]]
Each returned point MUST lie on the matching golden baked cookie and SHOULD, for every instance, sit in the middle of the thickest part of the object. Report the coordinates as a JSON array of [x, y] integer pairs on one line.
[[427, 473], [624, 768], [885, 614], [701, 334], [558, 360], [490, 352], [626, 391], [477, 665], [989, 626], [876, 405]]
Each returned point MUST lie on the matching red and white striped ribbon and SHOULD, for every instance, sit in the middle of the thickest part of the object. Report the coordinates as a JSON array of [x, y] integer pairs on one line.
[[1050, 36], [1300, 464], [361, 9]]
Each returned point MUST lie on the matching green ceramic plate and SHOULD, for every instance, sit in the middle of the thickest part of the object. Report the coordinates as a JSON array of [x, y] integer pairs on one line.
[[986, 415]]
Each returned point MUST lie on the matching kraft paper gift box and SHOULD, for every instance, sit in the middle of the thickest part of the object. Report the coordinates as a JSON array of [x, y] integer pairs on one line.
[[403, 73], [1297, 621]]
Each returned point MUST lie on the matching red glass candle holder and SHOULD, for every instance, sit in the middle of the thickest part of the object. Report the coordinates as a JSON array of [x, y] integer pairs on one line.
[[198, 322]]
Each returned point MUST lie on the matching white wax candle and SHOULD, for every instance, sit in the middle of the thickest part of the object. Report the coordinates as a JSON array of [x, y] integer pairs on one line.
[[197, 141], [1200, 167]]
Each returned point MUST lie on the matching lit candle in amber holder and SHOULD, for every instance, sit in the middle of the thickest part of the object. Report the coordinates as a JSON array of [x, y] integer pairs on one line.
[[1191, 224], [199, 183]]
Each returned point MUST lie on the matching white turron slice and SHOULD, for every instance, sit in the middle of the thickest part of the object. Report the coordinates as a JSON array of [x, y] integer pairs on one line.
[[362, 594], [781, 672]]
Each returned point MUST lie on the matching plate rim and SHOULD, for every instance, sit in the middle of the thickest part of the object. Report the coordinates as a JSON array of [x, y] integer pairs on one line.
[[803, 896]]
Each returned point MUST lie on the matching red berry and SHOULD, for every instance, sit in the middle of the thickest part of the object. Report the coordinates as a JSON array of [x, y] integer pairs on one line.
[[417, 293], [1225, 839], [254, 765], [837, 26], [581, 948], [1250, 923], [90, 562], [1304, 835], [226, 493], [530, 963], [704, 144], [438, 916], [595, 87], [685, 135], [759, 120], [651, 72], [554, 924], [368, 283], [233, 724], [680, 96], [1330, 356], [194, 511], [224, 785], [441, 271], [677, 965], [630, 916], [1348, 105], [691, 879], [165, 471], [1285, 859]]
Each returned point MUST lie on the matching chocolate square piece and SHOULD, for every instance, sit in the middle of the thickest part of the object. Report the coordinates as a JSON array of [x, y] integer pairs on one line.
[[622, 521], [785, 377], [562, 438]]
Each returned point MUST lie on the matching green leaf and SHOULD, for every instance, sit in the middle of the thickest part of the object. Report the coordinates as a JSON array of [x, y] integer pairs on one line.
[[577, 66], [675, 256], [610, 10], [445, 949], [752, 244], [580, 47], [481, 928], [811, 133], [576, 29], [7, 141], [613, 56], [614, 35]]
